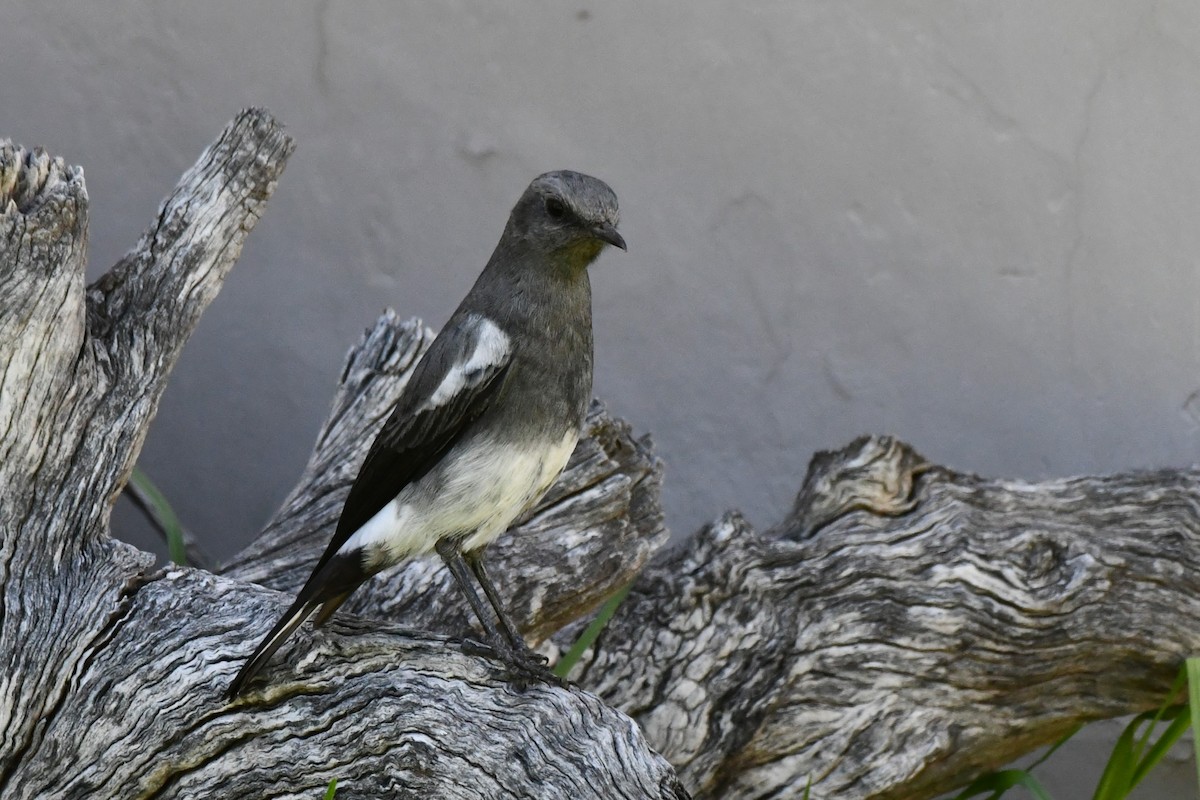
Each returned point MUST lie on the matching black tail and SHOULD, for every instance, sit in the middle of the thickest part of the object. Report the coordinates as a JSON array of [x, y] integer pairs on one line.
[[295, 615], [335, 577]]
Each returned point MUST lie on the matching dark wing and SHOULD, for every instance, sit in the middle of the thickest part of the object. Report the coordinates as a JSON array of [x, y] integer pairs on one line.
[[455, 382], [457, 379]]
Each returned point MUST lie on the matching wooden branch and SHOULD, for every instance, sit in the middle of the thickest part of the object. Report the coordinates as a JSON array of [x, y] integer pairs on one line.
[[897, 655], [114, 681], [77, 396], [854, 645], [388, 714], [903, 629]]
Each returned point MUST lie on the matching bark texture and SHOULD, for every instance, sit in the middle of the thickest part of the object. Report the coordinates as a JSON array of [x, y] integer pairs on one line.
[[114, 677], [908, 630], [905, 628]]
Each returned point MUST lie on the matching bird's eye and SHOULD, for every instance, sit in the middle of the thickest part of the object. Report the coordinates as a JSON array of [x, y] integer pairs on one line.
[[555, 208]]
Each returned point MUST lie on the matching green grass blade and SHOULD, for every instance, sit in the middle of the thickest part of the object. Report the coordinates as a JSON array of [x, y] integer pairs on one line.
[[1117, 771], [332, 788], [1180, 721], [995, 784], [1168, 709], [1160, 747], [1035, 788], [1138, 750], [164, 514], [1066, 737], [1140, 747], [591, 633], [1192, 666]]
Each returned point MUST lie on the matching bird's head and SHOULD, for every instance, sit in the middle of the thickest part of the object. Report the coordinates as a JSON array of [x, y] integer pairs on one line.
[[568, 215]]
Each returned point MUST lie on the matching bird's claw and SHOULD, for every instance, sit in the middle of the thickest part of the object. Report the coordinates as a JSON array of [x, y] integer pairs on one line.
[[524, 666]]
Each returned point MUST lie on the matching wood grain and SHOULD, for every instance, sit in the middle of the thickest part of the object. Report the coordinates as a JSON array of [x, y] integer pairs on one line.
[[903, 629]]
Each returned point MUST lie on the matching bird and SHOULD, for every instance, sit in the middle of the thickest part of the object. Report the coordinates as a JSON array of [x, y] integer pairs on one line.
[[485, 424]]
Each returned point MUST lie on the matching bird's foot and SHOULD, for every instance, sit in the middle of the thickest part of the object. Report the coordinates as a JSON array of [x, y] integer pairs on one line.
[[524, 666]]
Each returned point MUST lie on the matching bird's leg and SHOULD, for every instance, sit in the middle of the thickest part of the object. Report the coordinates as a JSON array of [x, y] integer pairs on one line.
[[522, 668], [453, 558], [474, 559]]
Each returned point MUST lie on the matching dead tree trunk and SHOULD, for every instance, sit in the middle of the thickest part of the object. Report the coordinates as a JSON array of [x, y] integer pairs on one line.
[[904, 629], [113, 677]]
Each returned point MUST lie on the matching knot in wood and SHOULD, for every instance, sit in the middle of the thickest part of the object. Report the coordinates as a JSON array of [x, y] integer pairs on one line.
[[1049, 566]]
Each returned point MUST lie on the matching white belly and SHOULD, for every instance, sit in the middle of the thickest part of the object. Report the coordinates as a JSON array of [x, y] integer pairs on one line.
[[478, 497]]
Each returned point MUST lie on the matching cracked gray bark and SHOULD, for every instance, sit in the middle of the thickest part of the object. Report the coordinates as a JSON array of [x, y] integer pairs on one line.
[[114, 675], [903, 629], [906, 628]]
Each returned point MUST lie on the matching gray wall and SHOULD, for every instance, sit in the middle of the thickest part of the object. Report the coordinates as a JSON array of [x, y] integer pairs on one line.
[[974, 225]]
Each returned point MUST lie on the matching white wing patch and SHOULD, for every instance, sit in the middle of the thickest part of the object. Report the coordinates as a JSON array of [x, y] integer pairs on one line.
[[389, 524], [492, 347]]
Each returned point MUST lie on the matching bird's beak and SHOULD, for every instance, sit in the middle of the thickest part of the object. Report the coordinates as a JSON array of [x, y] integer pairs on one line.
[[605, 232]]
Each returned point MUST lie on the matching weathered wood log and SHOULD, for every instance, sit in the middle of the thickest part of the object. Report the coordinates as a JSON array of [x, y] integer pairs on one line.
[[906, 627], [113, 677]]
